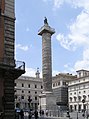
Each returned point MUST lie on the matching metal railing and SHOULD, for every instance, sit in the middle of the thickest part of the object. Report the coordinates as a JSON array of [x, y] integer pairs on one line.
[[11, 63], [20, 65]]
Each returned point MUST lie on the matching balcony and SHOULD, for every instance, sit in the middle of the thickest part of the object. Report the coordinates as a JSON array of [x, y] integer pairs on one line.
[[17, 68], [11, 63]]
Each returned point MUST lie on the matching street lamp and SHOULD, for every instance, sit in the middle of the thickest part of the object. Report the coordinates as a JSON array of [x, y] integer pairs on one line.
[[29, 100], [40, 104], [83, 101], [68, 115]]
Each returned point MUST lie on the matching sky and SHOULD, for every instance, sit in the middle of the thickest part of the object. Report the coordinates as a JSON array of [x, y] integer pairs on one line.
[[70, 43]]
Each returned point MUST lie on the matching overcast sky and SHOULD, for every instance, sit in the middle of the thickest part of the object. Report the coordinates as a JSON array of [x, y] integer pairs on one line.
[[70, 43]]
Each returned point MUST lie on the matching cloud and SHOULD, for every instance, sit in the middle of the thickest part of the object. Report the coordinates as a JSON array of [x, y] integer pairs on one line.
[[80, 3], [31, 72], [55, 72], [78, 33], [27, 29], [69, 69], [83, 63], [58, 3], [44, 0], [79, 64], [24, 48], [75, 3]]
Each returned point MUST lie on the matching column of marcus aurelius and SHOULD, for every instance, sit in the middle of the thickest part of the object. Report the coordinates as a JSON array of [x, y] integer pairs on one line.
[[47, 98], [9, 70], [46, 32]]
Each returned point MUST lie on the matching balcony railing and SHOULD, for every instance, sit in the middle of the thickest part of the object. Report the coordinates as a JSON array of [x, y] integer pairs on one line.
[[20, 65], [11, 63]]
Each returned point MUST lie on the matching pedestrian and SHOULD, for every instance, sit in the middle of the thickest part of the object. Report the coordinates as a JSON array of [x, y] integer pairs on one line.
[[22, 114], [42, 112], [30, 114], [36, 114], [47, 113]]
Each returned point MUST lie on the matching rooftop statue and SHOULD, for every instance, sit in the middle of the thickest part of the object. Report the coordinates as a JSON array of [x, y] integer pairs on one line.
[[45, 21]]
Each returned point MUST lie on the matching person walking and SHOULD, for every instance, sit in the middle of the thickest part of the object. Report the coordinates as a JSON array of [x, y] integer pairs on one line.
[[22, 114], [36, 114], [30, 114]]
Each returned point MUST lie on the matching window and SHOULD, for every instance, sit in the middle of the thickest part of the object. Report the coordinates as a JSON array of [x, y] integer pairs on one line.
[[70, 93], [70, 99], [75, 99], [35, 86], [71, 108], [79, 107], [22, 85], [74, 92], [79, 98], [79, 92], [64, 83], [41, 87], [35, 92], [75, 107], [35, 98], [22, 97], [28, 91], [53, 84], [84, 96], [28, 85], [22, 91], [79, 74], [84, 91]]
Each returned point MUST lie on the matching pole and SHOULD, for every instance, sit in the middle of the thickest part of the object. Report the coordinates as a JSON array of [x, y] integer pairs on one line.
[[40, 106], [77, 114], [87, 110], [77, 102]]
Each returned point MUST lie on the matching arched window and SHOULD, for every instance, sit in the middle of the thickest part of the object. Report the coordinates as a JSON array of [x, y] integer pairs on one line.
[[75, 99], [84, 96], [70, 99], [79, 98]]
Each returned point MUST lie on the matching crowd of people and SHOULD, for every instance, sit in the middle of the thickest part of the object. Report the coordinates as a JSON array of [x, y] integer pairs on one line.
[[21, 114]]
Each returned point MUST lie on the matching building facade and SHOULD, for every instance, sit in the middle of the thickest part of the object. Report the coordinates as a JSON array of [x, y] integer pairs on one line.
[[9, 70], [27, 91], [31, 87], [78, 90], [60, 89]]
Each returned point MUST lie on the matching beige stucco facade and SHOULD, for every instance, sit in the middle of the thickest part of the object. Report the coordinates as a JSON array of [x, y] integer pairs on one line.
[[25, 88]]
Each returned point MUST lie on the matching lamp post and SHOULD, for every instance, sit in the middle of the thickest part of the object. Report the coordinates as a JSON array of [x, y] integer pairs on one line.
[[68, 115], [29, 100], [83, 101], [87, 111], [40, 105]]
